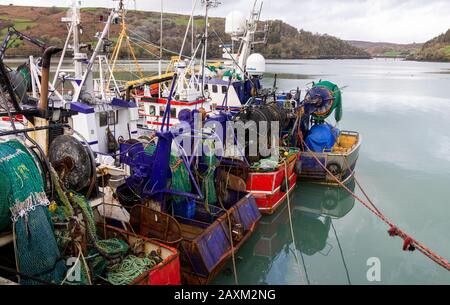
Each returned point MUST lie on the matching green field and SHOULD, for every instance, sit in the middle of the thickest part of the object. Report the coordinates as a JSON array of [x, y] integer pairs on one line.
[[393, 54]]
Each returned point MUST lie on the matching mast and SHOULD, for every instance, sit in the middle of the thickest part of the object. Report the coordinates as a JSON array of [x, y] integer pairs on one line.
[[91, 61], [76, 39], [160, 45], [208, 4], [193, 27], [248, 40]]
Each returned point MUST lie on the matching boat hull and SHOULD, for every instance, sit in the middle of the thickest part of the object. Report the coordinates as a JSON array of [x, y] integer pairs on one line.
[[203, 241], [267, 187], [204, 256], [344, 164]]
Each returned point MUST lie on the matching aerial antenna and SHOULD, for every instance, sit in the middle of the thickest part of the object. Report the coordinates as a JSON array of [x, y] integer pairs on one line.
[[193, 27], [208, 4]]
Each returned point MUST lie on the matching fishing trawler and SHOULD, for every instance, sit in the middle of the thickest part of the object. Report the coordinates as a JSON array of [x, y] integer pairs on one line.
[[102, 115], [56, 173], [329, 155], [64, 183], [210, 222]]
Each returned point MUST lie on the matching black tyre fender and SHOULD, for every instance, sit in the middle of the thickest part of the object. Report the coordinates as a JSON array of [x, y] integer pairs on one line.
[[334, 168]]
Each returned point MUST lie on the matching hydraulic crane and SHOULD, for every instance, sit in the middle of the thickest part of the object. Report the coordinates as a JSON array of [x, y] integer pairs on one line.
[[12, 32]]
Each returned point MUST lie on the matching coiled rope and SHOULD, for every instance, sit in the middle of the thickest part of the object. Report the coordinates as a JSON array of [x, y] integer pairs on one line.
[[409, 243], [131, 268]]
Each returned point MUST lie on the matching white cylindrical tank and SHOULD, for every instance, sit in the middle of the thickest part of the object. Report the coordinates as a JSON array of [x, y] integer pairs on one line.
[[256, 64], [235, 23]]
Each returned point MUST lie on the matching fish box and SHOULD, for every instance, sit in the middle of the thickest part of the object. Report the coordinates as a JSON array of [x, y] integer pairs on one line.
[[165, 273]]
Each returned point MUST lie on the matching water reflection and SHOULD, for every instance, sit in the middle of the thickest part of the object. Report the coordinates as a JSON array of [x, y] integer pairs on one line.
[[314, 209], [268, 256]]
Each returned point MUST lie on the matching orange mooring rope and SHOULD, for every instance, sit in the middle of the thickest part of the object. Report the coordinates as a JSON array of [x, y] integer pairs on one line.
[[409, 244]]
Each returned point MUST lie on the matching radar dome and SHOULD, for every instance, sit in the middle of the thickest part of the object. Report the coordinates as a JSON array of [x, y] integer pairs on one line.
[[256, 64], [235, 23]]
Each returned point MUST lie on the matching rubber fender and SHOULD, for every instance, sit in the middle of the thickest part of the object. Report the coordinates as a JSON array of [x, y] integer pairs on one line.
[[334, 168]]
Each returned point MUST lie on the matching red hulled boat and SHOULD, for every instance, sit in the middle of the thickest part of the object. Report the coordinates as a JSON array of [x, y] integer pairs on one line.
[[269, 187]]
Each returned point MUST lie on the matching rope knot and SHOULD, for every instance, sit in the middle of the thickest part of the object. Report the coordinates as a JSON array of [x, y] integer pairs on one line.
[[393, 231], [408, 245]]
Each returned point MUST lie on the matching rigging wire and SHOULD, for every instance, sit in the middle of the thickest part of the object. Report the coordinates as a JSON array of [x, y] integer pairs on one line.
[[342, 253], [292, 230]]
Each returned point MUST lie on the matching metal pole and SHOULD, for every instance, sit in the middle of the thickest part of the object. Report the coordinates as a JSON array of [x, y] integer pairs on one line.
[[160, 46]]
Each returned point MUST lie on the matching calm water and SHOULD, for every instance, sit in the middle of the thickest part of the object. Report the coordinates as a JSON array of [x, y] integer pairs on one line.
[[402, 110]]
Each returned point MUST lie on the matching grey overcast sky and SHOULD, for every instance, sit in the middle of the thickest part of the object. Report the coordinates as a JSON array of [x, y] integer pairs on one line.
[[401, 21]]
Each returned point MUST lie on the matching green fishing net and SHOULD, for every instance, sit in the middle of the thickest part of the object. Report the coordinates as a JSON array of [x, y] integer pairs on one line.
[[109, 248], [131, 268], [23, 202], [208, 179], [180, 175]]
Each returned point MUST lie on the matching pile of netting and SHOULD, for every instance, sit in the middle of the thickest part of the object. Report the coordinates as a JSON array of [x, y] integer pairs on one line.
[[180, 176], [273, 163], [23, 203], [42, 250], [209, 181], [181, 181], [111, 259], [101, 253]]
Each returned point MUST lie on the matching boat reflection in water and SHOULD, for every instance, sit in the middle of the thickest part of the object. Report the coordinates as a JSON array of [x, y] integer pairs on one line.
[[269, 257]]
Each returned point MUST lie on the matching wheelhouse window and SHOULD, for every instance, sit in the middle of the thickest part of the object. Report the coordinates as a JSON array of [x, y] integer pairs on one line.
[[103, 116], [107, 118], [215, 89], [152, 110], [113, 117], [173, 112], [224, 89]]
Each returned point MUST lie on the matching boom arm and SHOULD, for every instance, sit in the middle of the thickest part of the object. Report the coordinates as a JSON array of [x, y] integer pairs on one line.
[[13, 32]]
